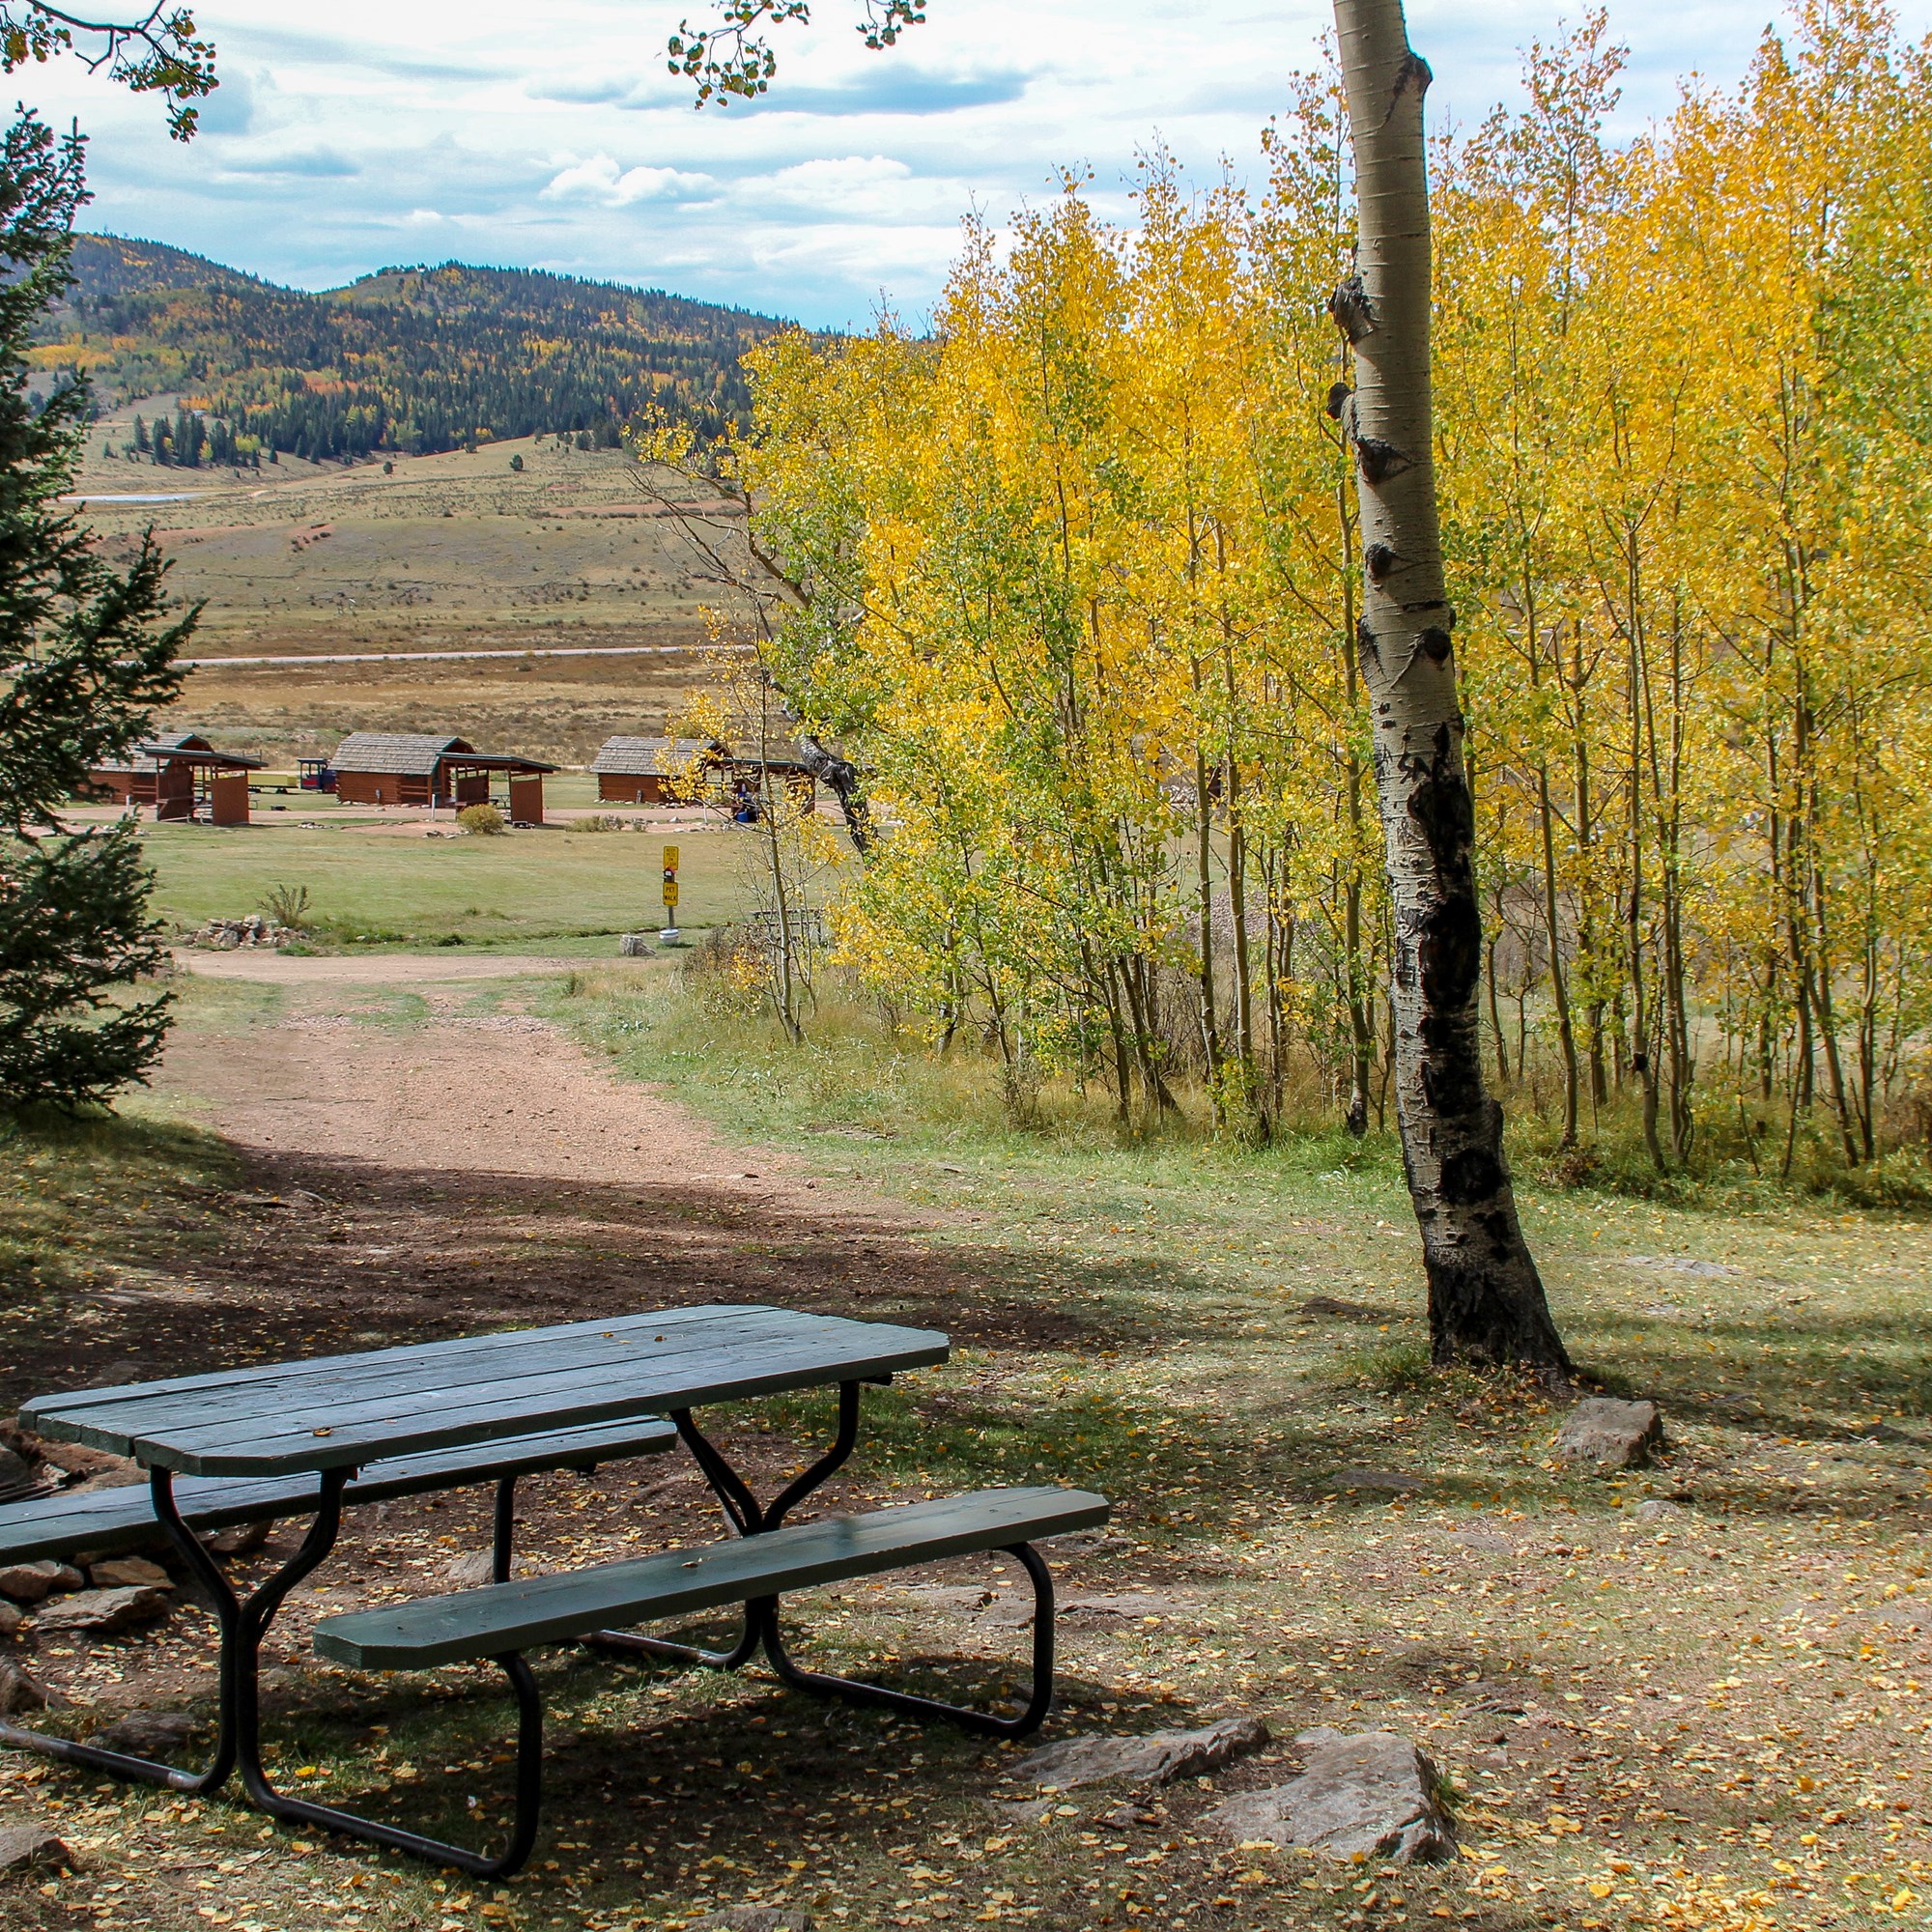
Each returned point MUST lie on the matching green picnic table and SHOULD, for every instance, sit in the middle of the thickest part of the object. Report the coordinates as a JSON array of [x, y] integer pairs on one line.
[[337, 1422]]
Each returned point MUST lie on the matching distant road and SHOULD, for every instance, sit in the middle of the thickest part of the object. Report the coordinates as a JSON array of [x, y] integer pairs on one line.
[[429, 656]]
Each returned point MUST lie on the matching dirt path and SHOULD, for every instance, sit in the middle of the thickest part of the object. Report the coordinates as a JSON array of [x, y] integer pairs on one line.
[[492, 1094]]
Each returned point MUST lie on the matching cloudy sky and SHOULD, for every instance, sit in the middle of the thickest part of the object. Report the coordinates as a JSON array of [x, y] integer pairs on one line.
[[359, 135]]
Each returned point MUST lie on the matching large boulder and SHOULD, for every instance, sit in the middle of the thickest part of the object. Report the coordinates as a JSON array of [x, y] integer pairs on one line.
[[1602, 1433], [1370, 1794], [1159, 1757], [103, 1612]]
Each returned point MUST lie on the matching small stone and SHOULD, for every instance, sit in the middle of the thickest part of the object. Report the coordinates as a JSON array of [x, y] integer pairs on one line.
[[1369, 1794], [1021, 1811], [1129, 1606], [103, 1612], [29, 1582], [1392, 1480], [1087, 1541], [29, 1847], [752, 1918], [243, 1539], [12, 1616], [1604, 1433], [1682, 1265], [636, 945], [472, 1571], [957, 1599], [129, 1572], [1159, 1757], [147, 1733], [20, 1690], [16, 1471], [1653, 1509]]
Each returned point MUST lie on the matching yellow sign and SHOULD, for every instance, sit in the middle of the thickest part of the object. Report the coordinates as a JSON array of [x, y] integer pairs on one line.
[[670, 892], [670, 859]]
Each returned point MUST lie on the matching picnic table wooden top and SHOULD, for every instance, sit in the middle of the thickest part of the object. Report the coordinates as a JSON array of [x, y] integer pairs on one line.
[[346, 1410]]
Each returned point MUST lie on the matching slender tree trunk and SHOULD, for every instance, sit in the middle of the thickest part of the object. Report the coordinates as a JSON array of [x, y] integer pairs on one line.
[[1486, 1301], [1559, 982]]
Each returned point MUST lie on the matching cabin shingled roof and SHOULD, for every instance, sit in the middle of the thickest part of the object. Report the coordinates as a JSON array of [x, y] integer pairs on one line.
[[411, 754], [647, 757]]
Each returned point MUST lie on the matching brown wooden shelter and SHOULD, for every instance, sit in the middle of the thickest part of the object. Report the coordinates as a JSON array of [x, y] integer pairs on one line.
[[180, 777], [652, 771], [417, 768]]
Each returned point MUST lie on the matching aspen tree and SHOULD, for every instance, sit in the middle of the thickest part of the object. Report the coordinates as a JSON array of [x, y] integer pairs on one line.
[[1486, 1301]]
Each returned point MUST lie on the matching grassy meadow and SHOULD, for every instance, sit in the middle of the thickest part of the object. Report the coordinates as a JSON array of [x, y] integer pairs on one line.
[[376, 881], [455, 551]]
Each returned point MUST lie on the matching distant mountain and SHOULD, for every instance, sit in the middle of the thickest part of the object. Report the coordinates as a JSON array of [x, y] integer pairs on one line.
[[410, 360]]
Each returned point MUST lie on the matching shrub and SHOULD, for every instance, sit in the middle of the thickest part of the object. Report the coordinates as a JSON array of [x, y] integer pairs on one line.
[[285, 905], [485, 820]]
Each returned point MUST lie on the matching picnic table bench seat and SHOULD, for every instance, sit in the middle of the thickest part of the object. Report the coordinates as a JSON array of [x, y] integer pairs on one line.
[[117, 1522], [501, 1620]]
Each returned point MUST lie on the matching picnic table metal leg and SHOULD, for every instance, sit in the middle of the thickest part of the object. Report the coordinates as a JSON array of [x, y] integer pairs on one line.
[[745, 1514], [503, 1541], [242, 1625], [1039, 1700], [437, 1851]]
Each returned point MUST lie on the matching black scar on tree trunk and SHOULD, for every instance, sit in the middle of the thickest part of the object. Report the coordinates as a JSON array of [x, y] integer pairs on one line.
[[1468, 1319]]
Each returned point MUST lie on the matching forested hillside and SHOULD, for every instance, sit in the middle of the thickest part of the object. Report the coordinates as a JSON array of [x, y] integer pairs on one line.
[[410, 360]]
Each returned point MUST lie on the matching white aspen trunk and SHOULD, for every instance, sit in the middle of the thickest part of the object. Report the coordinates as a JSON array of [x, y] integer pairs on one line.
[[1486, 1301]]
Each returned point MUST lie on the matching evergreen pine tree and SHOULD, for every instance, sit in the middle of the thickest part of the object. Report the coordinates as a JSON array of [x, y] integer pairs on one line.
[[86, 654]]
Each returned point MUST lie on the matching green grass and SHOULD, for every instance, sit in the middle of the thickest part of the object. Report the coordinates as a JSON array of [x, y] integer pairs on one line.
[[387, 886], [1177, 1240], [81, 1198]]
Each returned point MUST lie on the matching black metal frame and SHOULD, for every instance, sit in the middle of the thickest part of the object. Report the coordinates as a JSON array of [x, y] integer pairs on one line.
[[746, 1517], [245, 1621]]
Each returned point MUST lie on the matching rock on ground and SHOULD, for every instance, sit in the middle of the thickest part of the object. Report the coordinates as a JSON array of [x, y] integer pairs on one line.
[[29, 1582], [243, 1539], [1392, 1480], [752, 1918], [129, 1572], [147, 1733], [1370, 1794], [103, 1612], [636, 945], [1605, 1434], [1157, 1758], [20, 1690], [475, 1568], [26, 1847]]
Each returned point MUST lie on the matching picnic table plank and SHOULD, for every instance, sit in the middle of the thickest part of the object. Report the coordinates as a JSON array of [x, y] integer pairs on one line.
[[405, 1365], [121, 1518], [679, 1582], [448, 1394], [595, 1351]]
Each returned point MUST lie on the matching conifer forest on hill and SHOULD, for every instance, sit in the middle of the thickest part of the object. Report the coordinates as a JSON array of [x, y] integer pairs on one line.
[[408, 360]]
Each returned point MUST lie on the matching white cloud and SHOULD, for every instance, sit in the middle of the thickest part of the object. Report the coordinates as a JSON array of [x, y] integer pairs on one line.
[[600, 179]]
